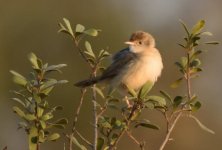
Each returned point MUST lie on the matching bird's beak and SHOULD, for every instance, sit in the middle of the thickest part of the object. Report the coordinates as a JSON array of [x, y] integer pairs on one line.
[[130, 43]]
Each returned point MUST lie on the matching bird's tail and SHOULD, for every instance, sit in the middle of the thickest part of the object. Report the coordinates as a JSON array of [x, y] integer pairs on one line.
[[86, 83]]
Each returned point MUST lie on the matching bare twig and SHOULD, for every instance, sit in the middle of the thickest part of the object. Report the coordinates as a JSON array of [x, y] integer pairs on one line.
[[172, 122], [83, 91], [84, 139]]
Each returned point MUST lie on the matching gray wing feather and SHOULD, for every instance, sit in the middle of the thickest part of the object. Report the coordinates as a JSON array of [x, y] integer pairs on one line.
[[120, 60]]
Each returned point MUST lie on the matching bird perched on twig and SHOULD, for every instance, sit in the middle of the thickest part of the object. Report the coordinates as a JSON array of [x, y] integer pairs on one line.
[[134, 66]]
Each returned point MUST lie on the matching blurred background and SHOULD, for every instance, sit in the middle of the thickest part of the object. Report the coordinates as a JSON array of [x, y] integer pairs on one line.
[[31, 26]]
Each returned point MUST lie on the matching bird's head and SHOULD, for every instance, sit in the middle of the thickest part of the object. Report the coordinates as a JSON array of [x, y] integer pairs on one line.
[[140, 41]]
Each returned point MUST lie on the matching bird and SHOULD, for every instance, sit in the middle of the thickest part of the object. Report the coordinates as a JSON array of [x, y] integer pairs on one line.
[[132, 67]]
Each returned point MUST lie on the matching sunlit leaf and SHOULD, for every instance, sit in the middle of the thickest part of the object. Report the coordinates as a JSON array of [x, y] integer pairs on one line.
[[34, 60], [99, 91], [33, 137], [74, 141], [80, 28], [198, 27], [30, 117], [18, 78], [18, 111], [89, 50], [91, 32], [53, 137], [68, 26]]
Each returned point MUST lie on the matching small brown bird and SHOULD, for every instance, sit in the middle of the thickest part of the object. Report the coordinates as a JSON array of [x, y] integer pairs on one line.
[[134, 66]]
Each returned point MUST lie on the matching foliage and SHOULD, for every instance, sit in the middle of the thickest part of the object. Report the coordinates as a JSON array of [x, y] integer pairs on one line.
[[33, 108]]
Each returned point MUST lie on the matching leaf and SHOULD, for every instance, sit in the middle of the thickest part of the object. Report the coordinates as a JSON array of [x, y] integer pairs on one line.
[[145, 89], [33, 137], [212, 42], [19, 101], [183, 61], [34, 60], [62, 81], [198, 27], [202, 126], [18, 78], [80, 28], [99, 91], [100, 142], [114, 138], [62, 121], [47, 116], [30, 117], [40, 112], [91, 32], [48, 84], [207, 33], [18, 111], [166, 95], [176, 83], [195, 54], [53, 137], [195, 63], [160, 100], [147, 125], [196, 106], [55, 67], [185, 27], [177, 101], [68, 26], [89, 50], [74, 141], [181, 45], [43, 124]]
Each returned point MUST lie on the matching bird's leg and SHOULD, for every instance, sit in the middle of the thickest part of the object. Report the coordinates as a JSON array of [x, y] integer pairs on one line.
[[127, 102]]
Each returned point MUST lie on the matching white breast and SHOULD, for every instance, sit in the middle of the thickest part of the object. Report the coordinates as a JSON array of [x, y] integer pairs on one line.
[[148, 67]]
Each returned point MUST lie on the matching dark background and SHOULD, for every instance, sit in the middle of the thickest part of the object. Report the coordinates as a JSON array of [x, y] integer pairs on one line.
[[31, 26]]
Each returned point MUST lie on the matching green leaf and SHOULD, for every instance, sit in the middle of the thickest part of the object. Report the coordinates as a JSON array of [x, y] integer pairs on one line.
[[183, 61], [91, 32], [185, 27], [33, 138], [212, 42], [40, 112], [207, 33], [114, 138], [198, 27], [181, 45], [80, 28], [68, 26], [177, 101], [18, 111], [47, 116], [89, 50], [34, 60], [160, 100], [195, 63], [195, 54], [55, 67], [196, 106], [62, 121], [99, 91], [19, 101], [18, 78], [202, 126], [75, 141], [41, 136], [43, 124], [100, 142], [30, 117], [176, 83], [167, 96], [147, 125], [48, 84], [62, 81], [145, 89], [53, 137]]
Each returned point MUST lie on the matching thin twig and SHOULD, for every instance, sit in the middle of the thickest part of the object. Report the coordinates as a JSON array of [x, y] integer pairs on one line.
[[84, 139], [83, 91], [170, 126], [133, 138], [94, 113]]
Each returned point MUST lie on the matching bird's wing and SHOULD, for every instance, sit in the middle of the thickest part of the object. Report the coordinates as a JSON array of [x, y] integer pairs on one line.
[[120, 61]]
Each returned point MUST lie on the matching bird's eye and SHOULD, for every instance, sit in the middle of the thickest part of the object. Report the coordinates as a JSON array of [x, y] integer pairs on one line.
[[140, 42]]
